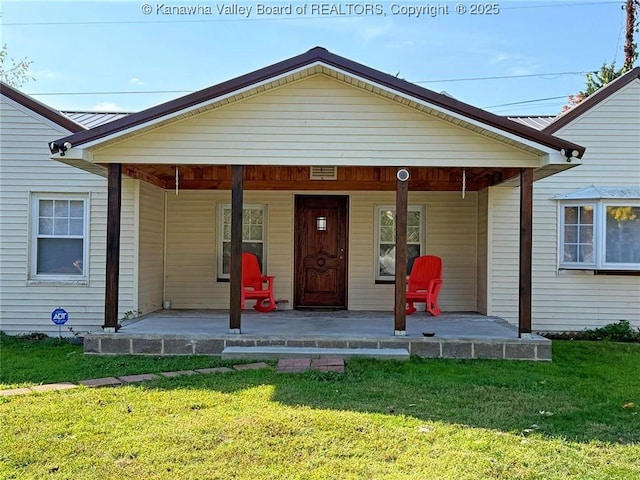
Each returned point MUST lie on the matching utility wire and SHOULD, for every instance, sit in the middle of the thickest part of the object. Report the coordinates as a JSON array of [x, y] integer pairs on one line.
[[527, 101], [133, 92], [557, 74], [142, 92], [281, 18]]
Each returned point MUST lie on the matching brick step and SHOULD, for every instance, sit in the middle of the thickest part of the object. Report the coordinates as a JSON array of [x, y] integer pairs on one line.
[[270, 352]]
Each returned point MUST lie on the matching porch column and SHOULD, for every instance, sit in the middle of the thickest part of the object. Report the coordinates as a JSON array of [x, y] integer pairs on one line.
[[114, 207], [526, 247], [236, 248], [400, 305]]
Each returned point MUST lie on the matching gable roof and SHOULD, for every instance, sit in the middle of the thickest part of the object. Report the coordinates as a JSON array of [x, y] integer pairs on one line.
[[40, 108], [331, 60], [593, 100]]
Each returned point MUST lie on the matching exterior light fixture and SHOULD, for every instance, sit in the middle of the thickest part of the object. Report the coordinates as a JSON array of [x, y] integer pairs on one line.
[[569, 153], [402, 175], [59, 148], [321, 224]]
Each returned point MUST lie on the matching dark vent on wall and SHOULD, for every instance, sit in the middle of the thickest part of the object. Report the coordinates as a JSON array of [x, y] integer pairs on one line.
[[323, 173]]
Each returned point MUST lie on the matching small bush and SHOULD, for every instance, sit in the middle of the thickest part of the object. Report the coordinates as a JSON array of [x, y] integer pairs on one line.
[[621, 331]]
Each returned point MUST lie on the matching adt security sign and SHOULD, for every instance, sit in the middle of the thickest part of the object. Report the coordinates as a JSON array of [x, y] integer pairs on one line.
[[59, 316]]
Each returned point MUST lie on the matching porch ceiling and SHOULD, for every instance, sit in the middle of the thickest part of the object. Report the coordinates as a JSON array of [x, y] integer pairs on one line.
[[218, 177]]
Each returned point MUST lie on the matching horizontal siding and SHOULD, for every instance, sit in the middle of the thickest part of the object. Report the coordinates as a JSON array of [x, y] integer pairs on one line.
[[25, 167], [192, 262], [450, 234], [317, 120], [151, 248], [191, 278], [572, 300]]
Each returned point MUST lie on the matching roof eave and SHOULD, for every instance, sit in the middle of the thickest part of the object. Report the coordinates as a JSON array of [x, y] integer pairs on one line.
[[40, 108], [321, 55], [592, 100]]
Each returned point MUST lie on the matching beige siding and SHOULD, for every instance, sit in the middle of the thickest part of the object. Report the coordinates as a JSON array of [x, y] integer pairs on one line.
[[150, 282], [25, 168], [191, 278], [192, 255], [317, 120], [572, 300], [503, 249], [482, 214]]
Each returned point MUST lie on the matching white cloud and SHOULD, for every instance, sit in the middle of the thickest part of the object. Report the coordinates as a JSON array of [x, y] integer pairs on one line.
[[136, 81], [521, 70], [43, 74], [499, 58], [514, 63], [107, 107]]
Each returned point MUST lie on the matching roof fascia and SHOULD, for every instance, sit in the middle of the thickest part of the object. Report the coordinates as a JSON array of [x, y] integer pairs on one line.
[[592, 100], [39, 110]]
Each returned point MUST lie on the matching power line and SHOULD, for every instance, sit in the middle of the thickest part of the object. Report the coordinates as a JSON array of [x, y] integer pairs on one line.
[[133, 92], [281, 18], [527, 101], [144, 92], [505, 76]]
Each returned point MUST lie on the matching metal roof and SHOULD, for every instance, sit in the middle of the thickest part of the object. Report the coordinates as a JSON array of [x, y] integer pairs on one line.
[[534, 122], [595, 193], [93, 119]]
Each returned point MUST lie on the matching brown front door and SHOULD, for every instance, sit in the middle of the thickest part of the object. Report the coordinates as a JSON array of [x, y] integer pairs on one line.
[[320, 251]]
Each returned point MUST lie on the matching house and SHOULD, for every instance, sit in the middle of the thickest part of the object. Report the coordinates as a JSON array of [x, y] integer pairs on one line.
[[315, 140], [52, 248], [586, 245]]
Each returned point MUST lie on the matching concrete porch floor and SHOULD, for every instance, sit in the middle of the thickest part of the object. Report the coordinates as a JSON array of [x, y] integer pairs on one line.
[[455, 334]]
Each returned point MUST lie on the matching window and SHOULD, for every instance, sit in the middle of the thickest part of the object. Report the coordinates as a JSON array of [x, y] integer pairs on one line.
[[386, 239], [59, 243], [600, 235], [253, 236]]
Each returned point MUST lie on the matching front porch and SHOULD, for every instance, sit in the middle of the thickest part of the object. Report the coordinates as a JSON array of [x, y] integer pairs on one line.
[[206, 332]]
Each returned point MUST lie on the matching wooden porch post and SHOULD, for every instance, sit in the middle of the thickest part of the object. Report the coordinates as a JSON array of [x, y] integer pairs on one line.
[[236, 248], [526, 250], [400, 305], [114, 206]]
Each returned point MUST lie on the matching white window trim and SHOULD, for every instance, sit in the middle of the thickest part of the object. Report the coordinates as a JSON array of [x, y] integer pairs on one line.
[[33, 278], [602, 250], [376, 246], [220, 235], [561, 243], [599, 235]]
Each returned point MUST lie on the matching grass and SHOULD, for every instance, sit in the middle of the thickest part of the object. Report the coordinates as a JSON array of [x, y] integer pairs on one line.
[[421, 419]]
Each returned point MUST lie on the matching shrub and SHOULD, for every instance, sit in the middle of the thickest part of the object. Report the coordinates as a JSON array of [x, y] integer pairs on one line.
[[621, 331]]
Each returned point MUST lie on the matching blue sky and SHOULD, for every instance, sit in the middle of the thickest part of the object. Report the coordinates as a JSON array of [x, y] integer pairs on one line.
[[87, 53]]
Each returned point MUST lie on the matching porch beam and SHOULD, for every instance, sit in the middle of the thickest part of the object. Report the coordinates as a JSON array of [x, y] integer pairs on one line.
[[235, 312], [114, 208], [526, 250], [400, 304]]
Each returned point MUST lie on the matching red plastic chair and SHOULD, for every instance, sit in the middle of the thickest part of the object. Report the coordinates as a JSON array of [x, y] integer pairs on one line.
[[253, 285], [424, 284]]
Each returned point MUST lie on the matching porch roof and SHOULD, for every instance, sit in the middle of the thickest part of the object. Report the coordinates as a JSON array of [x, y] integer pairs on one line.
[[318, 61]]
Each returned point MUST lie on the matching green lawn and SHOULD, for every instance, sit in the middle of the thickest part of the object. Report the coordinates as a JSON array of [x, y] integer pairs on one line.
[[423, 419]]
